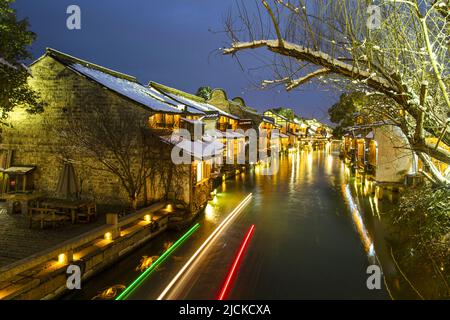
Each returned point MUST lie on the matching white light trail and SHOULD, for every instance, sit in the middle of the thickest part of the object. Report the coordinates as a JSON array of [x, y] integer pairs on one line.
[[205, 244]]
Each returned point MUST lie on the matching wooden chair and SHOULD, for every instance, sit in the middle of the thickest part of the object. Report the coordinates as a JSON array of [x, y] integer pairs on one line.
[[87, 213], [43, 215]]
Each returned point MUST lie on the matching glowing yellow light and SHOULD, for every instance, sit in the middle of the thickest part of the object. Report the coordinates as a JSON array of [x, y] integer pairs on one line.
[[108, 236], [147, 218], [209, 212], [169, 207], [62, 258], [215, 200]]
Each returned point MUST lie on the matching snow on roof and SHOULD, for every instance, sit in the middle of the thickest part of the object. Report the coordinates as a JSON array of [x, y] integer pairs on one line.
[[200, 150], [193, 121], [279, 115], [268, 119], [204, 107], [369, 135], [19, 170], [227, 134], [132, 90], [279, 135], [233, 134]]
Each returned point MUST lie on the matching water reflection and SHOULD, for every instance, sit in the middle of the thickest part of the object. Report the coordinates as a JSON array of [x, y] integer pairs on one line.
[[359, 223], [314, 237]]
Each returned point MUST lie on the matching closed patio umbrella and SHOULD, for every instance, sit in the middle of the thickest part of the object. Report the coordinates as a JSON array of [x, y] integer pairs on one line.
[[67, 183]]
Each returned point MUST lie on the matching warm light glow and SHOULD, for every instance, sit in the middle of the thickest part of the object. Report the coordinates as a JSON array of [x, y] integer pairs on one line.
[[169, 208], [199, 171], [108, 236], [209, 209], [148, 218], [62, 258], [358, 221], [209, 212]]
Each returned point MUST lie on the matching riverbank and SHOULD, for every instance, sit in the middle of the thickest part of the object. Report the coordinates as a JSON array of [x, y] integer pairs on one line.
[[43, 275], [411, 230]]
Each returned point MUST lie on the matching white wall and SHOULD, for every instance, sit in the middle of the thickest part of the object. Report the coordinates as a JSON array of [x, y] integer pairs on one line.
[[394, 159]]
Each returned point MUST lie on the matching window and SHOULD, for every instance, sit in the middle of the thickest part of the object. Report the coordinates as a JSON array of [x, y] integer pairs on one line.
[[164, 120], [199, 171], [203, 170]]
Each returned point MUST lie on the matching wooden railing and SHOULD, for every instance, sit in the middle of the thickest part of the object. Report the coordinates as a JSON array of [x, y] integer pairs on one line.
[[71, 245]]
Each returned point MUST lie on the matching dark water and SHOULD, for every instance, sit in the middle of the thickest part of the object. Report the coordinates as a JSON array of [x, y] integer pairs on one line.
[[316, 232]]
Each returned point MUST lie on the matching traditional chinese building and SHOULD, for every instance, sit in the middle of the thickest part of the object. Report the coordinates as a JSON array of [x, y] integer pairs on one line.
[[33, 156]]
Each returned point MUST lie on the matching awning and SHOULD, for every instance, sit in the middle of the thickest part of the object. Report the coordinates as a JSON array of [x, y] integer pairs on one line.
[[193, 121], [200, 150], [218, 134], [268, 119], [279, 135], [245, 121], [233, 135], [370, 135], [19, 170]]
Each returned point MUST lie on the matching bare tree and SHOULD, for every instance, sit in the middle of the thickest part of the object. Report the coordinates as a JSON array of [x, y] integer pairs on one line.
[[401, 55], [119, 141]]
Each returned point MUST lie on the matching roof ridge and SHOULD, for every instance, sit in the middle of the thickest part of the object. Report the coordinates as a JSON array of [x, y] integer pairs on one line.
[[67, 59], [177, 91]]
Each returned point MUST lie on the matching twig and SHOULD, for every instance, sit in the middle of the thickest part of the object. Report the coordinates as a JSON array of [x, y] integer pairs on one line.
[[404, 276]]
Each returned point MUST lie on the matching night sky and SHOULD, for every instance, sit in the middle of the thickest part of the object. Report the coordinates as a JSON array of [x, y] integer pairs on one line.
[[173, 42]]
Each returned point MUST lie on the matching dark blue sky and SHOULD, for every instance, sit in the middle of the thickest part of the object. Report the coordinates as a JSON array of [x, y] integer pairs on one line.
[[173, 42]]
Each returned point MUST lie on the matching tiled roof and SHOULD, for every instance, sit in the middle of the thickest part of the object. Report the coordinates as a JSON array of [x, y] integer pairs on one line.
[[122, 84]]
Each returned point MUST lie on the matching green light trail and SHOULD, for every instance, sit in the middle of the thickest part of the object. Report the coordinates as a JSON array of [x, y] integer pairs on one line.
[[136, 283]]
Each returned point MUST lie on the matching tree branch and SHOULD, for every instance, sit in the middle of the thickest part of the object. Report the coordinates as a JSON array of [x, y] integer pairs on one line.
[[295, 83]]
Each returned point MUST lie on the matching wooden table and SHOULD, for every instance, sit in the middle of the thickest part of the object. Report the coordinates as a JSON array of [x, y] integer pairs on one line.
[[43, 215], [72, 205]]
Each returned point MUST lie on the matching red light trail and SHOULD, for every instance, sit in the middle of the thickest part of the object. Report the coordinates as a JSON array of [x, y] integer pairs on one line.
[[237, 260]]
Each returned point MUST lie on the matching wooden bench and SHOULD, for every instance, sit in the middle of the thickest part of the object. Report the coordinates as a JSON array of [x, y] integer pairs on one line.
[[43, 215], [87, 213]]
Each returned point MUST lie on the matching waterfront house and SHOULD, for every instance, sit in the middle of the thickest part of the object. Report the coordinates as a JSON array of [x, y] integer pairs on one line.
[[220, 125], [249, 119], [70, 88], [288, 127], [381, 149]]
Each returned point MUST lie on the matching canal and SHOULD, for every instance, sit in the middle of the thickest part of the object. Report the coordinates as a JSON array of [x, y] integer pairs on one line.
[[316, 231]]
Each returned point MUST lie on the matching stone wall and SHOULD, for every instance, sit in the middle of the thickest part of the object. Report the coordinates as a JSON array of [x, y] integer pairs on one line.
[[34, 143]]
